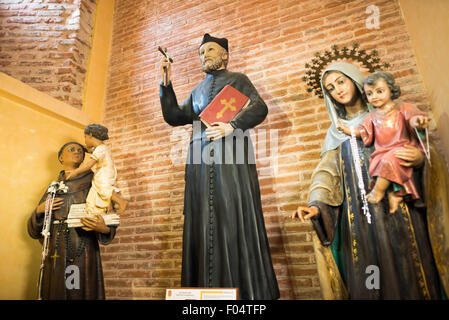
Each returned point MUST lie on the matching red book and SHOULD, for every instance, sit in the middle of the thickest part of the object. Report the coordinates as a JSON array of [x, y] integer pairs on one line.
[[223, 108]]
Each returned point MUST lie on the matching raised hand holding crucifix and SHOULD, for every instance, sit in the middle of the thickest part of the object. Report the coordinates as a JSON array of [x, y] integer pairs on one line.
[[165, 66]]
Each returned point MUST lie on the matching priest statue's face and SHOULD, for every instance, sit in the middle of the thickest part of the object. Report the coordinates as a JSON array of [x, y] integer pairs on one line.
[[213, 57]]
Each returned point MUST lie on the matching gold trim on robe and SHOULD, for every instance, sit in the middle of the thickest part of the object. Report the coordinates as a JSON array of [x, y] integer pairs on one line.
[[327, 188]]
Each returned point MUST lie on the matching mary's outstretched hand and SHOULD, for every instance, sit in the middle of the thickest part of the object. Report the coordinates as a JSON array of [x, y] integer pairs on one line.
[[305, 213]]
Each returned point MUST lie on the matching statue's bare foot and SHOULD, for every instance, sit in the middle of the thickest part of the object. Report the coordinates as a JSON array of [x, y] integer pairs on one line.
[[393, 201], [375, 196]]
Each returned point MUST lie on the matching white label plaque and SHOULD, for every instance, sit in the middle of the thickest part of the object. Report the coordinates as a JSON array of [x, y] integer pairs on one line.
[[201, 294]]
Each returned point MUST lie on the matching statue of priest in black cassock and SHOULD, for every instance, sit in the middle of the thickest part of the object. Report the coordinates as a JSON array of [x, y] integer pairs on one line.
[[224, 242]]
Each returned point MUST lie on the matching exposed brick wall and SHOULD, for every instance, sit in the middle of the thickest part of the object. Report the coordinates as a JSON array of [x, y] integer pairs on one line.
[[45, 43], [270, 41]]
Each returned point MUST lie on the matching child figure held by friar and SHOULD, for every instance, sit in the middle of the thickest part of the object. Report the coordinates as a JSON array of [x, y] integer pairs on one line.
[[391, 127], [98, 200]]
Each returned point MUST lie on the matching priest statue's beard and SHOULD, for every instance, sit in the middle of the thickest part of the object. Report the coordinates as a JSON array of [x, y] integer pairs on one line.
[[212, 65]]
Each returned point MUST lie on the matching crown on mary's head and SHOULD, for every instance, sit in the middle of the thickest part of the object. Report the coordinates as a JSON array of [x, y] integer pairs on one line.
[[318, 64]]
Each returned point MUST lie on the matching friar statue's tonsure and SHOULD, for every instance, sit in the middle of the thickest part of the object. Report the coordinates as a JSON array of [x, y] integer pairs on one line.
[[224, 241]]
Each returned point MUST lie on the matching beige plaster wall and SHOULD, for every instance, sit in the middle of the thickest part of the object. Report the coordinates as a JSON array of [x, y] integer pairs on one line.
[[428, 25], [97, 72]]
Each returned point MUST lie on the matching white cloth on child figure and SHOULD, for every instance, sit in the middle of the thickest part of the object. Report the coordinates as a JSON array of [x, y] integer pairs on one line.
[[105, 174]]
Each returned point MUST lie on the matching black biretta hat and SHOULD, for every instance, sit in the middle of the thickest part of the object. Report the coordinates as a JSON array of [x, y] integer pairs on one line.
[[223, 42]]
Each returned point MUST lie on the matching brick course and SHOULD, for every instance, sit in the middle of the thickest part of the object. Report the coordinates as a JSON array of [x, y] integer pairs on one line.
[[46, 44]]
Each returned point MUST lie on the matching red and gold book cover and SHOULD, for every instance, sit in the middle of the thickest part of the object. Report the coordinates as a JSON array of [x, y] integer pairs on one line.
[[224, 106]]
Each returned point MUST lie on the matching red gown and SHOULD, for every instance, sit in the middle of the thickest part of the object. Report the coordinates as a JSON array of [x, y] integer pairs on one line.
[[390, 133]]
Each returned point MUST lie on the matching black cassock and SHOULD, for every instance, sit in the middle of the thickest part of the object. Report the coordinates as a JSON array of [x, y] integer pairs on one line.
[[224, 242], [70, 247]]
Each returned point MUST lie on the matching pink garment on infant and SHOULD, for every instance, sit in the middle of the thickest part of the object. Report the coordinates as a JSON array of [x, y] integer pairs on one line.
[[391, 133]]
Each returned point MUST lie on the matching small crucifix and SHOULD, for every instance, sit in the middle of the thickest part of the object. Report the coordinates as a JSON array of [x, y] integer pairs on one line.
[[54, 256], [170, 60]]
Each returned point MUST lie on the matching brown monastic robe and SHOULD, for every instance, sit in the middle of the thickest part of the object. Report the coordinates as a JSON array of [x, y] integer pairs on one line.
[[71, 249]]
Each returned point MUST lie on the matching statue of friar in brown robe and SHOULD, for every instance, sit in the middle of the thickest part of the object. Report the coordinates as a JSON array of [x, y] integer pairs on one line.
[[72, 268]]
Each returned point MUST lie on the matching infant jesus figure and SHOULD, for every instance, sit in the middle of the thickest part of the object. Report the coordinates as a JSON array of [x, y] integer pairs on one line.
[[98, 200], [390, 126]]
